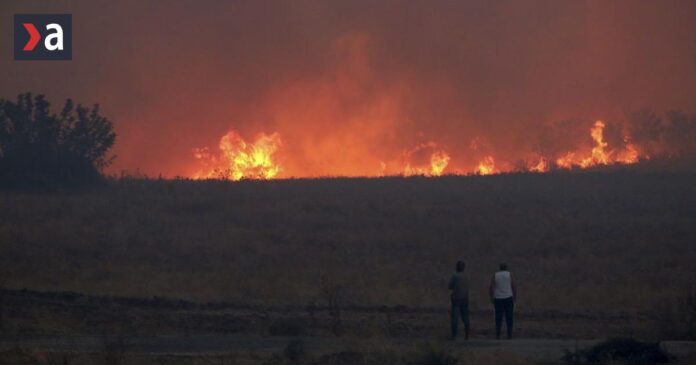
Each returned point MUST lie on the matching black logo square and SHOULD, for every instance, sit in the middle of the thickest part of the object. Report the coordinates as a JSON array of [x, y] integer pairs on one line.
[[43, 36]]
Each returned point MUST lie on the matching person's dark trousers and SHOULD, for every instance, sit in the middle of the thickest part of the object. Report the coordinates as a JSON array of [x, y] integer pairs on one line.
[[503, 307], [460, 308]]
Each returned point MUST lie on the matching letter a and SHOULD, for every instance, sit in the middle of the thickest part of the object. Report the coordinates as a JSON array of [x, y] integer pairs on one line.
[[57, 35]]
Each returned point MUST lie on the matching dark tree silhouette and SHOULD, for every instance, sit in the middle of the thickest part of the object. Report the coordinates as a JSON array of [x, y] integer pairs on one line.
[[681, 134], [41, 149]]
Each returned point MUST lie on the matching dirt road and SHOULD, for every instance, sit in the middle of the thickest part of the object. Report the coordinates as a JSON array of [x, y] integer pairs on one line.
[[72, 322], [538, 349]]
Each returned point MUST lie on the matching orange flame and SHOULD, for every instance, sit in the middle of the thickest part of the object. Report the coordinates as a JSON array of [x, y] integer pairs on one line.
[[347, 121], [629, 155], [438, 161], [486, 166], [566, 161], [601, 153], [240, 160], [541, 166], [599, 156]]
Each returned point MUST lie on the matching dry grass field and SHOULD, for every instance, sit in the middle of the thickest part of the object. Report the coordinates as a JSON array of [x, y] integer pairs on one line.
[[617, 247]]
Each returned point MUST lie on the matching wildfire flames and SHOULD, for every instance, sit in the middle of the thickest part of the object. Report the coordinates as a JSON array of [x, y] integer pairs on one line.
[[601, 153], [541, 166], [347, 119], [486, 167], [257, 159], [435, 165], [239, 159]]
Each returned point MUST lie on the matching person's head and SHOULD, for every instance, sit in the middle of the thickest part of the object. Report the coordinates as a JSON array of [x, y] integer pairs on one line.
[[460, 266], [503, 267]]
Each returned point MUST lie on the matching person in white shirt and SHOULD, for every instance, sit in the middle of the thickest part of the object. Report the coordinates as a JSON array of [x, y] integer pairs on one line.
[[503, 294]]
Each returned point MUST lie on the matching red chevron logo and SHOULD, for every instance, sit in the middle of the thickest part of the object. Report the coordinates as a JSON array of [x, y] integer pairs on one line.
[[34, 36]]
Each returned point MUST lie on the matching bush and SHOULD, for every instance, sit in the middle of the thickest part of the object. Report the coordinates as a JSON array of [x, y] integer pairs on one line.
[[40, 149], [626, 350]]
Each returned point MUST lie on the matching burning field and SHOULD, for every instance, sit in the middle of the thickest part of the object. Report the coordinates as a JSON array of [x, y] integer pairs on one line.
[[264, 171], [350, 120], [260, 158], [327, 89]]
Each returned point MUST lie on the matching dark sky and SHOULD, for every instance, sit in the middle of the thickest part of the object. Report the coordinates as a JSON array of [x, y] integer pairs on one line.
[[350, 83]]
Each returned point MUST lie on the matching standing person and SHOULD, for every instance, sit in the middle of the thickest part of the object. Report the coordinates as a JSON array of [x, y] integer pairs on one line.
[[459, 285], [503, 294]]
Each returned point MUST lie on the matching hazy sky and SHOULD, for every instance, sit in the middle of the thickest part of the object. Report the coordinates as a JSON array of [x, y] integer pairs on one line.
[[350, 83]]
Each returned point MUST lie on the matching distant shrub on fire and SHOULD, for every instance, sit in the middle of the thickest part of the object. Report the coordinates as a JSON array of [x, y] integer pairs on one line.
[[39, 148], [644, 135]]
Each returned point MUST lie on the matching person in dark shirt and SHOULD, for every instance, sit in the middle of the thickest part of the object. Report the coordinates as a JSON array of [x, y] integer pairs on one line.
[[459, 286]]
